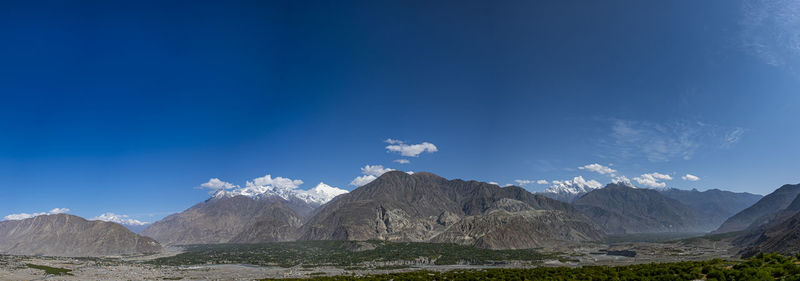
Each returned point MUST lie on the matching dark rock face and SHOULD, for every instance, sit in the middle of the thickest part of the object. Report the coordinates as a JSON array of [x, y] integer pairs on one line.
[[221, 220], [780, 237], [762, 211], [622, 209], [713, 206], [780, 234], [71, 236], [275, 223], [426, 207]]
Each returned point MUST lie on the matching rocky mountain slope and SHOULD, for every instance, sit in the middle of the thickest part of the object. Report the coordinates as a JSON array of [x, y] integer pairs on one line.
[[223, 218], [265, 210], [623, 209], [781, 234], [425, 207], [762, 211], [713, 206], [72, 236]]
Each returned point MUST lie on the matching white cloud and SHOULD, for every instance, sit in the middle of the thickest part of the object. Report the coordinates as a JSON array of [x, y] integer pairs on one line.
[[120, 219], [375, 170], [362, 180], [217, 184], [370, 173], [58, 211], [22, 216], [263, 186], [402, 161], [524, 182], [652, 179], [541, 182], [494, 182], [410, 150], [690, 177], [600, 169], [622, 180], [283, 183]]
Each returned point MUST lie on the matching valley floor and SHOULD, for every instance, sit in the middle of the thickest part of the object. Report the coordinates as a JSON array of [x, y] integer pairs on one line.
[[161, 267]]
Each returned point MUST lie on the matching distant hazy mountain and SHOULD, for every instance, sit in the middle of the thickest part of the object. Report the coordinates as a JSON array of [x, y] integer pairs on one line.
[[780, 234], [623, 209], [68, 235], [425, 207], [569, 190], [221, 218], [713, 206], [762, 211]]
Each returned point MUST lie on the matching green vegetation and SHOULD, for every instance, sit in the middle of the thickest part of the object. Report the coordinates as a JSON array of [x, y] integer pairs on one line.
[[761, 267], [650, 237], [345, 253], [50, 270]]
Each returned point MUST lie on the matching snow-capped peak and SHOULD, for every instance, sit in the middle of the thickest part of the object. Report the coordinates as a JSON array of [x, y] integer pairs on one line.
[[320, 194], [286, 189], [120, 219], [577, 185]]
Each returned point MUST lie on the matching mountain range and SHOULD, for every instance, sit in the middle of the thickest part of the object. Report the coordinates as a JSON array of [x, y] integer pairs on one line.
[[762, 211], [619, 209], [423, 207], [773, 230], [72, 236]]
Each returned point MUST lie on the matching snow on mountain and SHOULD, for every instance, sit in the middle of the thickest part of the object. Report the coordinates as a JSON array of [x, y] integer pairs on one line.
[[120, 219], [320, 194], [568, 190], [286, 189], [136, 226], [575, 186]]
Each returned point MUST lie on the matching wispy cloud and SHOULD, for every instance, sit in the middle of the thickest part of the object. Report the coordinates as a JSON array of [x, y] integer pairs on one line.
[[524, 182], [401, 161], [665, 142], [771, 31]]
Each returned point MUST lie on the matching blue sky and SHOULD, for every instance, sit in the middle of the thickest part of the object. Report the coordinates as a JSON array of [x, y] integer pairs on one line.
[[127, 107]]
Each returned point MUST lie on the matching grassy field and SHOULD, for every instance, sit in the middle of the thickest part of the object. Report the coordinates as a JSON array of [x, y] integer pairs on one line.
[[345, 253], [51, 270], [761, 267]]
